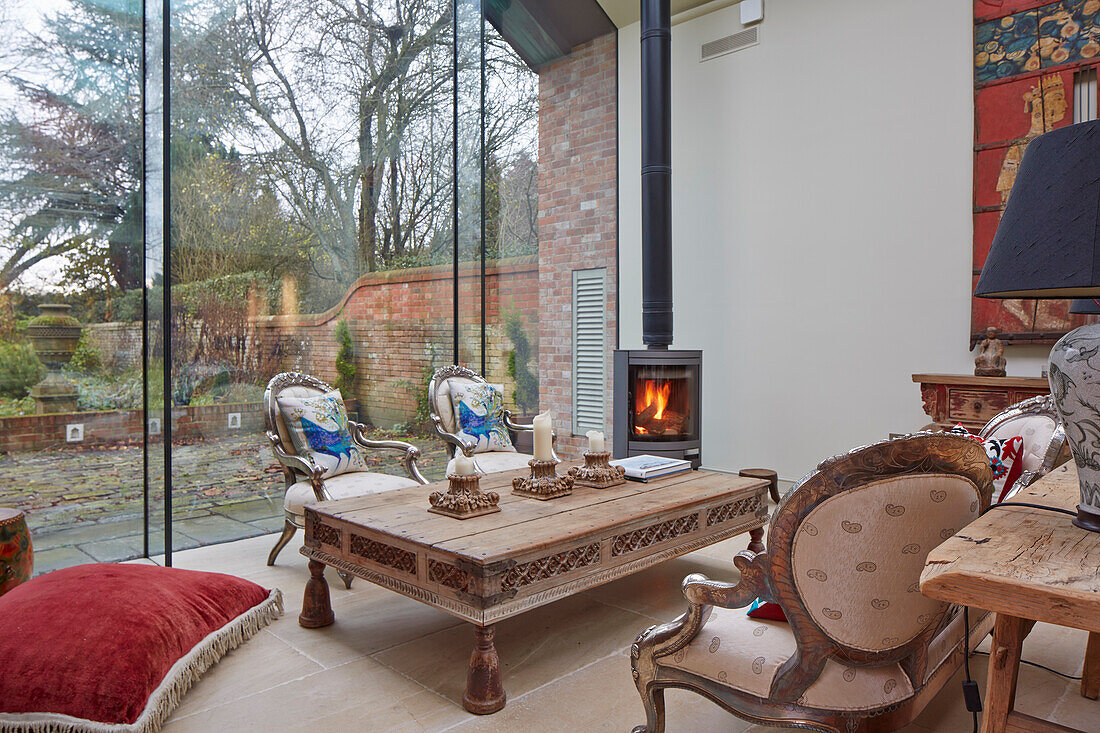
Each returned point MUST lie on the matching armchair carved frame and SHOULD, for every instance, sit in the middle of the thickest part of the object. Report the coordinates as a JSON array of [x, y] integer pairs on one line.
[[769, 575], [454, 440], [296, 467], [1056, 450]]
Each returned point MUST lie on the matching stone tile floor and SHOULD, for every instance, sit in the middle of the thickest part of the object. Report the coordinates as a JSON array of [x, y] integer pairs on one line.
[[390, 663], [87, 504]]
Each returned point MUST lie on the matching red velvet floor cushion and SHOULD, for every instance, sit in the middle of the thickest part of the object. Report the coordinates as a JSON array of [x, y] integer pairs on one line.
[[114, 647]]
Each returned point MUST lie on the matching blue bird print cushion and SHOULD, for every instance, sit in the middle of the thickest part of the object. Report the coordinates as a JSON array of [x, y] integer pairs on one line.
[[477, 409], [318, 428]]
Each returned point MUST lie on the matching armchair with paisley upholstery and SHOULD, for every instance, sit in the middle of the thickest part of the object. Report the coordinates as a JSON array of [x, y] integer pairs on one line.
[[862, 649]]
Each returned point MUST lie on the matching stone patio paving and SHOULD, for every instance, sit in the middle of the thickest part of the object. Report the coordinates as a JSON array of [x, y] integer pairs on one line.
[[86, 504]]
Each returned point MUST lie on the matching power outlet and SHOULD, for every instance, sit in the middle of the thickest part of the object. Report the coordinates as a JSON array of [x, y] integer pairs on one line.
[[154, 426], [234, 420], [74, 432]]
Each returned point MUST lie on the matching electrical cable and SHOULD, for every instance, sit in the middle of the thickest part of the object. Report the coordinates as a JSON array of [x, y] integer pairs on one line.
[[1041, 666], [1058, 509]]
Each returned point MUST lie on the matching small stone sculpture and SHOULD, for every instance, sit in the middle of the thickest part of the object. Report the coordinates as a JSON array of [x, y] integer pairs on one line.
[[990, 361]]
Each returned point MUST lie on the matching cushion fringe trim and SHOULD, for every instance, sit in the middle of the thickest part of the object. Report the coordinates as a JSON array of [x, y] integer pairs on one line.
[[168, 694]]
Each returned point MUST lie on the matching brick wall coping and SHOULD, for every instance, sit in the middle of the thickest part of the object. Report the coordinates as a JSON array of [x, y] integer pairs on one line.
[[509, 265]]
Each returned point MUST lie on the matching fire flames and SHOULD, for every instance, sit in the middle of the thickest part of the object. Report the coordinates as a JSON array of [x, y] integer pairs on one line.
[[657, 395], [650, 405]]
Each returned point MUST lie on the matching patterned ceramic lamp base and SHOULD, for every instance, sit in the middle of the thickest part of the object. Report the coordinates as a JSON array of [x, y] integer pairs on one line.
[[16, 555], [1075, 385]]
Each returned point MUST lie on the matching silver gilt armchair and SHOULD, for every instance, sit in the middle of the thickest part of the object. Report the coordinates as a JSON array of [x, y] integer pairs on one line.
[[446, 424], [302, 476], [1037, 422], [862, 649]]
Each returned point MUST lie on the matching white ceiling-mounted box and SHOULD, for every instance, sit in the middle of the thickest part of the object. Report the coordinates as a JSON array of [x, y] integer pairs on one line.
[[752, 11]]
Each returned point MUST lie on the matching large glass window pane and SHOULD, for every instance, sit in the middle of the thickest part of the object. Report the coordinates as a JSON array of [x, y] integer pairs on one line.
[[311, 228], [71, 233], [510, 220]]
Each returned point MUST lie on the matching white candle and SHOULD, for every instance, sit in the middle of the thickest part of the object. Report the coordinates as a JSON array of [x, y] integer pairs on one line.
[[464, 466], [543, 430], [595, 441]]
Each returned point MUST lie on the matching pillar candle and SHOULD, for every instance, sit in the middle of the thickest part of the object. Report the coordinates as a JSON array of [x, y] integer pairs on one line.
[[464, 466], [543, 442], [595, 441]]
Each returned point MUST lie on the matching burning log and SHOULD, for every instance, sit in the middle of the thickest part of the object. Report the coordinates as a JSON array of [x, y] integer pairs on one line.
[[669, 422]]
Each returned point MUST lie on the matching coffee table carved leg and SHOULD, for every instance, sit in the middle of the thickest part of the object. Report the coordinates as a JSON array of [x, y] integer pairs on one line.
[[756, 540], [484, 689], [316, 609], [1090, 677], [1004, 666]]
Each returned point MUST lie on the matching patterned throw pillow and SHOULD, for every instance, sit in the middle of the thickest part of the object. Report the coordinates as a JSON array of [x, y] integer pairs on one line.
[[478, 408], [319, 430], [1004, 459], [766, 610]]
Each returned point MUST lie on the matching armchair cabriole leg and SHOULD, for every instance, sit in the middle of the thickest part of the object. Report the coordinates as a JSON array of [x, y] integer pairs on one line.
[[288, 533], [346, 577], [653, 699]]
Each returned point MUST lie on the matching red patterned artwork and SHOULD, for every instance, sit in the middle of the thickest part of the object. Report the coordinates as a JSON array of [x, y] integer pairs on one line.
[[1026, 55]]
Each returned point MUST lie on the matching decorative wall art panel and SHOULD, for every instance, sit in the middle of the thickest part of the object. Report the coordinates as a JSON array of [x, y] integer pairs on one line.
[[1026, 54], [987, 9]]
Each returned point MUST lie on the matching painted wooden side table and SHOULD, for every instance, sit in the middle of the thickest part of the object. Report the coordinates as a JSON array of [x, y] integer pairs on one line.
[[16, 555], [974, 401]]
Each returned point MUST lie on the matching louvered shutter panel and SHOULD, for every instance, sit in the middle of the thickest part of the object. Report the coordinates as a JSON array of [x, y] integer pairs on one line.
[[589, 350]]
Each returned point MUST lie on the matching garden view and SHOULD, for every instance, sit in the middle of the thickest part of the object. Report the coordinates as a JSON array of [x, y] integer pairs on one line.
[[317, 151]]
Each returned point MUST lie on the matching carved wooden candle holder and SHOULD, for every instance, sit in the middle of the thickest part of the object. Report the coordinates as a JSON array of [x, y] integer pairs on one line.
[[544, 482], [463, 499], [597, 473]]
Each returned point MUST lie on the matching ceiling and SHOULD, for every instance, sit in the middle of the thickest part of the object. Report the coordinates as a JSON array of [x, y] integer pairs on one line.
[[625, 12]]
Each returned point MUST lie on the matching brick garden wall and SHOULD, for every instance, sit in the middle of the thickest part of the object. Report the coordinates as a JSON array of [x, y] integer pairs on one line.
[[578, 219], [118, 343], [401, 325], [36, 432]]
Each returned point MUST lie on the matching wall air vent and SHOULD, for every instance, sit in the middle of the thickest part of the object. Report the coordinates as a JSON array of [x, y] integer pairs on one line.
[[729, 44]]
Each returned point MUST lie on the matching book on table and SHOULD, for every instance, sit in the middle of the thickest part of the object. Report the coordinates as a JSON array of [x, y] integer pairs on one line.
[[646, 467]]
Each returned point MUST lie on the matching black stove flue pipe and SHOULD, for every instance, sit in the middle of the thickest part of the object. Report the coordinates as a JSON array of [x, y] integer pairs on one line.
[[656, 174]]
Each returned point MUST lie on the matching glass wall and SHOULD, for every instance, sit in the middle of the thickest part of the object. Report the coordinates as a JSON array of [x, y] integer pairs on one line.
[[348, 191]]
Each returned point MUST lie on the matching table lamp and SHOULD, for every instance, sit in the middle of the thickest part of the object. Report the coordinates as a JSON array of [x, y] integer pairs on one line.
[[1048, 246]]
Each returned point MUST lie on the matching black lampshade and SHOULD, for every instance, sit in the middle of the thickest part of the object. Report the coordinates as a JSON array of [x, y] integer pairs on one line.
[[1046, 245], [1085, 306]]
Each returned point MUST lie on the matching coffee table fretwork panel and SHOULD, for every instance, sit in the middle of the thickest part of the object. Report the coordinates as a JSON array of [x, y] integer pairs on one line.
[[532, 552]]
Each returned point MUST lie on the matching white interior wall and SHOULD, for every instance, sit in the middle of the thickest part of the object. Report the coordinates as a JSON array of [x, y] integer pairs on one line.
[[821, 221]]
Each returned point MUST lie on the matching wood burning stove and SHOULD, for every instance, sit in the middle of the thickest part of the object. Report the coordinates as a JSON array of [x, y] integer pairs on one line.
[[658, 390], [657, 403]]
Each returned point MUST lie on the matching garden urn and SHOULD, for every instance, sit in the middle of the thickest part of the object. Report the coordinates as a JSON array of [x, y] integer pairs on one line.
[[54, 335]]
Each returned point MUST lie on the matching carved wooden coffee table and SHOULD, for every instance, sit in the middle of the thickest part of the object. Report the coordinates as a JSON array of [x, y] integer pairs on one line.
[[492, 567]]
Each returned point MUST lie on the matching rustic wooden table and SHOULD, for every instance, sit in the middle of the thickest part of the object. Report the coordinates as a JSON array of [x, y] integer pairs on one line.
[[495, 566], [1026, 565]]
